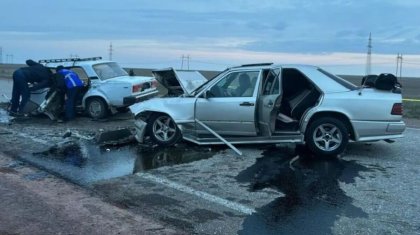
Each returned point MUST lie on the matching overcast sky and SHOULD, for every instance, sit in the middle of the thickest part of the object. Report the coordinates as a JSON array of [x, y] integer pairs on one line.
[[217, 33]]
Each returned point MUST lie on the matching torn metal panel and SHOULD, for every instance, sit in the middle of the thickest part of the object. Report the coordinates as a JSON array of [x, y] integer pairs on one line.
[[218, 136]]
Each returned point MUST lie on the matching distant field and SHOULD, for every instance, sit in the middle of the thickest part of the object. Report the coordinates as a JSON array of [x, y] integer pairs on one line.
[[411, 86]]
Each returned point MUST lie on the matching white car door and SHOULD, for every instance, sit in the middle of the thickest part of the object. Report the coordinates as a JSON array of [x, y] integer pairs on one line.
[[229, 106]]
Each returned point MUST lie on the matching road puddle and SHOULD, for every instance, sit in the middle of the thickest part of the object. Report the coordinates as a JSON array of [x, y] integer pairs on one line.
[[84, 162], [313, 198]]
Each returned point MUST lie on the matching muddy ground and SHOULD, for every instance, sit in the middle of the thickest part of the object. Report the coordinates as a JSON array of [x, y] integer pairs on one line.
[[370, 189]]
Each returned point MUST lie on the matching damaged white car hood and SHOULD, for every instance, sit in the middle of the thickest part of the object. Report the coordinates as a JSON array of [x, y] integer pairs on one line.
[[181, 109]]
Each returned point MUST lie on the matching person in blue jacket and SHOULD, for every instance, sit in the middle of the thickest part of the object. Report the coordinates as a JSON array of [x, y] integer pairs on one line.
[[36, 74], [73, 85]]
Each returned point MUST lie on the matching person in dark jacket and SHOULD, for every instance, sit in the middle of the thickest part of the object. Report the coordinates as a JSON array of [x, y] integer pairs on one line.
[[73, 85], [36, 74]]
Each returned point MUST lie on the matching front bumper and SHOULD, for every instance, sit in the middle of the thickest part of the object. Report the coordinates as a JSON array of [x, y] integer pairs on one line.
[[129, 100]]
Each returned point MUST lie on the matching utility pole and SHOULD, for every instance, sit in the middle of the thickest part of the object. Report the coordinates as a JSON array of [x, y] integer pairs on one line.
[[1, 55], [187, 58], [110, 51], [9, 58], [399, 64], [182, 61], [369, 55]]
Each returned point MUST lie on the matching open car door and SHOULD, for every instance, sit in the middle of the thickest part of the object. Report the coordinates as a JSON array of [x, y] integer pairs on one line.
[[269, 101]]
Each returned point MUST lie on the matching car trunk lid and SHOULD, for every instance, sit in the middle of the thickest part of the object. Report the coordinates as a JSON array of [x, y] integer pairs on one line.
[[137, 84]]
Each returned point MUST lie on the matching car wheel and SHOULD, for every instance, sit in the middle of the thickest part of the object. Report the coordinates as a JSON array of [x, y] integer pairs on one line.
[[163, 130], [327, 137], [97, 108]]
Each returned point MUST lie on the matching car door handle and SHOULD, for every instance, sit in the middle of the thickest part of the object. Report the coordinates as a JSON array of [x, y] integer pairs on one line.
[[270, 104], [246, 104]]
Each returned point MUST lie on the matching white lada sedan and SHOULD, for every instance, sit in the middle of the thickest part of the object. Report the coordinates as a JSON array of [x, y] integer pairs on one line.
[[268, 103]]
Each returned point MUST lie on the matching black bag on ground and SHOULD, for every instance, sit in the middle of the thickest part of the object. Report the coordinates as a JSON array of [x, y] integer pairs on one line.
[[386, 81]]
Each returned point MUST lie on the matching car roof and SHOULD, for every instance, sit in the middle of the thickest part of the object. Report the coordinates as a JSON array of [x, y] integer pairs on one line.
[[271, 66], [72, 62]]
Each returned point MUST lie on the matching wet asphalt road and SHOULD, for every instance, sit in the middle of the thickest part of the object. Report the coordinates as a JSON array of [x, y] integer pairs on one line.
[[371, 189]]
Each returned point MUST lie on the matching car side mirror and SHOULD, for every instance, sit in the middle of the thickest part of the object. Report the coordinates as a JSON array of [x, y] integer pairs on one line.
[[207, 94]]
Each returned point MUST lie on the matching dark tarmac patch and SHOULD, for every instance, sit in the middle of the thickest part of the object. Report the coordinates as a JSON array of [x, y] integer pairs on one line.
[[6, 170], [115, 137], [313, 199]]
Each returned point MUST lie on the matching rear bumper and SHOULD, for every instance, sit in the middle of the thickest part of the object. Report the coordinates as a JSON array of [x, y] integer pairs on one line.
[[377, 130], [129, 100]]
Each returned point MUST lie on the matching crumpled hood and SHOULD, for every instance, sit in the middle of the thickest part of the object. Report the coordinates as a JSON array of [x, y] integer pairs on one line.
[[179, 108]]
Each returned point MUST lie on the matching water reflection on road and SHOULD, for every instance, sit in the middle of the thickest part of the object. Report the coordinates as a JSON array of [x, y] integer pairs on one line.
[[313, 199], [85, 163]]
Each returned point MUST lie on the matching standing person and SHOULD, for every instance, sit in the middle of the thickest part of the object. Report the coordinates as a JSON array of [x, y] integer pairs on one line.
[[36, 74], [73, 86]]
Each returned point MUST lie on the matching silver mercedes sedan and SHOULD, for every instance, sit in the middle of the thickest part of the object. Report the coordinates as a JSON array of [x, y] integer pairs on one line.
[[268, 103]]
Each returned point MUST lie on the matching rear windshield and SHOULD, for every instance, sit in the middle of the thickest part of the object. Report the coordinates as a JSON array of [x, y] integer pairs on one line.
[[339, 80], [109, 70]]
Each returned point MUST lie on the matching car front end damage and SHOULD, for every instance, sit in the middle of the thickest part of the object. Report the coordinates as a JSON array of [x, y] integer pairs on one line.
[[179, 109]]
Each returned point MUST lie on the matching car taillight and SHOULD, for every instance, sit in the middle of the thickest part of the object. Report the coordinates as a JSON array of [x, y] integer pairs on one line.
[[136, 88], [154, 83], [397, 109]]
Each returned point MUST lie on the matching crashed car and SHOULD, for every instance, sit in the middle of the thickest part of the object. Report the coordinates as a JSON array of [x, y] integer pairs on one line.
[[268, 103], [107, 87]]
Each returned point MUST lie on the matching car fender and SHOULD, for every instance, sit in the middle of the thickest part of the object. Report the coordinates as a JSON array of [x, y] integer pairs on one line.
[[94, 93], [180, 109], [317, 110]]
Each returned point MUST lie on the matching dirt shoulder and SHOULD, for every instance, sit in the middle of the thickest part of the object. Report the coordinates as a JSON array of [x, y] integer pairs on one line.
[[35, 202]]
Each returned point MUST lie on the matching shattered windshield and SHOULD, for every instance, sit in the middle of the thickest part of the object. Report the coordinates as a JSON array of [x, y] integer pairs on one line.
[[109, 70]]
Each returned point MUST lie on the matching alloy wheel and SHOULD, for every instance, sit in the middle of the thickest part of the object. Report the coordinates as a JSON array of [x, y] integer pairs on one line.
[[327, 137]]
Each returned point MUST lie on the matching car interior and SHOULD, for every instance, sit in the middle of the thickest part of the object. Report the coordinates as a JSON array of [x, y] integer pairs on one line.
[[298, 95]]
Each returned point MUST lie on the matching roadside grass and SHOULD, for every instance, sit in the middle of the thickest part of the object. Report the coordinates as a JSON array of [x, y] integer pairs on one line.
[[411, 109]]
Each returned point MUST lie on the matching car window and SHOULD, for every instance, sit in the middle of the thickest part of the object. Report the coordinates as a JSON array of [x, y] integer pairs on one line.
[[109, 70], [339, 80], [271, 83], [236, 84], [81, 73]]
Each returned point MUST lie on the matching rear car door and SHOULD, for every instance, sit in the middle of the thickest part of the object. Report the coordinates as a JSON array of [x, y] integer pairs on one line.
[[229, 107]]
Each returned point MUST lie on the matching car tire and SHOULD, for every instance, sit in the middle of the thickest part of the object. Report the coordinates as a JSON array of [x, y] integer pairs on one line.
[[97, 108], [163, 130], [327, 137]]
